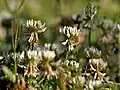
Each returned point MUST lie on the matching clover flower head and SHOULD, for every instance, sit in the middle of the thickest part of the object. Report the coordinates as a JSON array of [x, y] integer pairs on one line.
[[98, 66], [35, 27], [72, 34], [36, 55], [48, 45], [69, 31], [49, 55], [99, 63], [71, 63], [92, 52]]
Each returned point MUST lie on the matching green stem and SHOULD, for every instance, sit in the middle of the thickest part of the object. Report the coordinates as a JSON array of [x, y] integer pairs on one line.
[[89, 37], [14, 27], [15, 35], [61, 80], [13, 45], [67, 55], [14, 42], [15, 65], [118, 54]]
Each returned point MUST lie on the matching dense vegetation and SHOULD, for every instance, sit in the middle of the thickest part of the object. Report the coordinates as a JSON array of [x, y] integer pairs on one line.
[[50, 45]]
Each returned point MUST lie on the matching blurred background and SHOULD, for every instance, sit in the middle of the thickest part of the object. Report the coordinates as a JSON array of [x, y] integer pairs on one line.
[[51, 12]]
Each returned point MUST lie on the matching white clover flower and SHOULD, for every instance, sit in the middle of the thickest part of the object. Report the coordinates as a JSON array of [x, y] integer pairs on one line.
[[97, 66], [34, 25], [71, 63], [72, 34], [50, 55], [36, 55], [98, 62], [69, 31], [34, 28], [92, 52], [47, 45]]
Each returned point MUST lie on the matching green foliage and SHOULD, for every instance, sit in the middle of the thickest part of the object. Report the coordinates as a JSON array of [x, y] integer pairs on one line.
[[9, 74], [84, 53]]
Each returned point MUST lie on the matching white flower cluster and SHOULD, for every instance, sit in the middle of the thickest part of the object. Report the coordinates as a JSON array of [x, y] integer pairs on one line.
[[38, 54], [98, 66], [72, 64], [98, 62], [36, 25], [69, 31], [47, 45], [34, 28], [35, 57], [49, 55], [34, 54], [92, 52], [72, 34]]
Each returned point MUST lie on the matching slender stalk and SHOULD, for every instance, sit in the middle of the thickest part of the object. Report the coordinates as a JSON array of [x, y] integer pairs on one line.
[[15, 65], [13, 45], [15, 35], [118, 54], [61, 80], [14, 27], [67, 54], [89, 37]]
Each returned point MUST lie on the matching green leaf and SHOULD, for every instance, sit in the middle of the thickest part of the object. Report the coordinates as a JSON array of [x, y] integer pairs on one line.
[[9, 73]]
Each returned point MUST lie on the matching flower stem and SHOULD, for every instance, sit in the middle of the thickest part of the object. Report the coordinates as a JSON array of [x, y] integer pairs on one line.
[[89, 37], [118, 54], [15, 35], [13, 45], [67, 55]]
